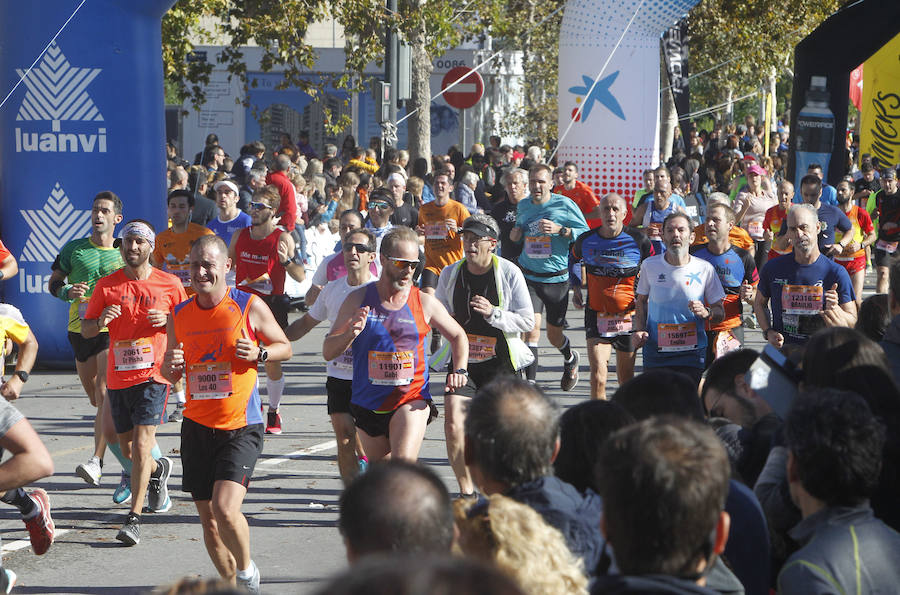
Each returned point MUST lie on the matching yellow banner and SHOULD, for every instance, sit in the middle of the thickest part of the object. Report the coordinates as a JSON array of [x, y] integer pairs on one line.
[[880, 119]]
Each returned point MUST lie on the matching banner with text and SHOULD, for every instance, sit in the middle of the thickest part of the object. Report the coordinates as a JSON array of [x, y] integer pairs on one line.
[[880, 119]]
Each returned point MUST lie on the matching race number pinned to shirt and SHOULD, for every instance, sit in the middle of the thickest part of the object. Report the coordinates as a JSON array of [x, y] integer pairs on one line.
[[133, 355], [755, 229], [391, 368], [538, 246], [210, 380], [889, 247], [613, 325], [182, 271], [801, 299], [344, 361], [726, 342], [680, 336], [481, 348], [436, 231], [262, 284]]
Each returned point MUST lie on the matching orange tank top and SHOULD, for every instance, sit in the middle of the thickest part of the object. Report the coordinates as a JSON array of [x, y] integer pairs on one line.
[[221, 388]]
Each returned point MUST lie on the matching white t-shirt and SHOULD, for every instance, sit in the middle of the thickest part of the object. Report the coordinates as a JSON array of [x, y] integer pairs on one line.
[[676, 336], [327, 307]]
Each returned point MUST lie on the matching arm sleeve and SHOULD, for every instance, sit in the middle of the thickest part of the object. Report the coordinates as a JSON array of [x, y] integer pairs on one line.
[[442, 291], [643, 286], [519, 315], [320, 277], [772, 491], [803, 578]]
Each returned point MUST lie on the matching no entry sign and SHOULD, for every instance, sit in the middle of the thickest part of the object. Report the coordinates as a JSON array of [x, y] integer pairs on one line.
[[469, 90]]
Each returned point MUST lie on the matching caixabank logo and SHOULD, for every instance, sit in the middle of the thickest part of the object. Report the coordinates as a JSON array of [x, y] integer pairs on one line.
[[57, 92], [52, 227]]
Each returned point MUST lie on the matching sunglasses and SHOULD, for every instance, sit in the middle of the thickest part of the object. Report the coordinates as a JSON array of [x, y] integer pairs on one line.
[[256, 206], [402, 264], [379, 205], [360, 248]]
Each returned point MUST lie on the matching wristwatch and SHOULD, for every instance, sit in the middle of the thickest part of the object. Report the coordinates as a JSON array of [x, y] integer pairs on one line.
[[263, 354], [462, 371], [23, 375], [563, 231], [765, 333]]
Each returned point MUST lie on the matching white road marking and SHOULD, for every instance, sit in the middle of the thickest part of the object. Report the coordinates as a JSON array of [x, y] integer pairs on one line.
[[298, 454], [21, 544]]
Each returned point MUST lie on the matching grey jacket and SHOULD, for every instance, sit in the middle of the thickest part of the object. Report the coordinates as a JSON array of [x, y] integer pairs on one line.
[[846, 550]]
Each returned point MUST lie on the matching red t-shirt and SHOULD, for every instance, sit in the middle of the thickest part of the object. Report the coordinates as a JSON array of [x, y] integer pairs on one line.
[[136, 348], [584, 197]]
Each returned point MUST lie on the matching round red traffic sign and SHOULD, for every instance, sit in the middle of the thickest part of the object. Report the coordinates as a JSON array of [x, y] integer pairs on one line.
[[469, 90]]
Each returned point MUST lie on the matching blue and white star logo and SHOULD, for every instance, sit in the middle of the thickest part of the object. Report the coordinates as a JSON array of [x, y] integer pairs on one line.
[[53, 226], [601, 93], [694, 277]]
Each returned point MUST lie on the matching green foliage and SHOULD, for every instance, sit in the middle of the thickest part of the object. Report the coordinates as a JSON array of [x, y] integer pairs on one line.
[[742, 39]]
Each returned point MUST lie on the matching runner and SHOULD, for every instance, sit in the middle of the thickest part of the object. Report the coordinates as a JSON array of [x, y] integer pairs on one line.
[[670, 311], [775, 219], [172, 254], [386, 323], [807, 290], [611, 256], [82, 262], [736, 270], [215, 340], [654, 210], [487, 296], [548, 224], [332, 268], [439, 224], [580, 193], [230, 218], [134, 303], [854, 258], [357, 253], [887, 212], [262, 255]]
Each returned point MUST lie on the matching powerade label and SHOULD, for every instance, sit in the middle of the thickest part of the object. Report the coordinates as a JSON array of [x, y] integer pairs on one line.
[[815, 133]]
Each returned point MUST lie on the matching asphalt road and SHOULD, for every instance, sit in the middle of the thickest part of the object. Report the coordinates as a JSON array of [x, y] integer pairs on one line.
[[292, 504]]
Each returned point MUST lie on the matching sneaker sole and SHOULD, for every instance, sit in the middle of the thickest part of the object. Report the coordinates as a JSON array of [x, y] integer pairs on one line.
[[88, 479], [44, 499], [164, 481], [125, 501], [165, 508], [127, 539], [10, 578], [566, 377], [273, 431]]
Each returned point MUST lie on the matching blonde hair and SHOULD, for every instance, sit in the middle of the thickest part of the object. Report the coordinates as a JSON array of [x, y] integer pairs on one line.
[[519, 543]]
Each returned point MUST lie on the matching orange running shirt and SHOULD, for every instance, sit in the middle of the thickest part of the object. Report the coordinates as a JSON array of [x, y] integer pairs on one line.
[[442, 246], [584, 197], [136, 348], [221, 387], [738, 237], [173, 251]]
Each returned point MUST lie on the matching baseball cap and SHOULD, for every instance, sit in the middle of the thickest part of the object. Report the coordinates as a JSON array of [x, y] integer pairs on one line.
[[478, 228], [756, 169], [227, 183], [889, 173]]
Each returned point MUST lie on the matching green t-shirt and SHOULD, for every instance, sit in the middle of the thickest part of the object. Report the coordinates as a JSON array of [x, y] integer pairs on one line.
[[84, 262]]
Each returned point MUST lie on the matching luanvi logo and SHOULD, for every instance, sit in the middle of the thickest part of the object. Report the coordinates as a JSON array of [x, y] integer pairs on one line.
[[57, 92]]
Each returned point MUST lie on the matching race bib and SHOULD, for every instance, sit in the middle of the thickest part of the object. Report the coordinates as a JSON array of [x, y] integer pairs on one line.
[[436, 231], [613, 326], [391, 368], [133, 355], [209, 380], [676, 337], [481, 348], [889, 247], [82, 308], [183, 272], [726, 342], [655, 231], [344, 361], [262, 284], [755, 229], [801, 299], [538, 246]]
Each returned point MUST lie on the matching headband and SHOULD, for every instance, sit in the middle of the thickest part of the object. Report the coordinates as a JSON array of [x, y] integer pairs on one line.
[[141, 230]]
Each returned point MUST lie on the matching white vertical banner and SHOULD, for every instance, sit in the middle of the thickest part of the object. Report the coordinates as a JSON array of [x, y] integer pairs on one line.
[[615, 135]]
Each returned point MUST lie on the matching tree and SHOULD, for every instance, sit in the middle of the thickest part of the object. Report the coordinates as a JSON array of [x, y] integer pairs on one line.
[[741, 41]]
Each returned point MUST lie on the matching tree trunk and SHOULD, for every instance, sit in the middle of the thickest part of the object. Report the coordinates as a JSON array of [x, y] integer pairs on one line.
[[420, 121], [668, 113]]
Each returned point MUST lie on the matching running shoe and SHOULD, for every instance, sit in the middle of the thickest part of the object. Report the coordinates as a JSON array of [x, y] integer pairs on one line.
[[158, 488], [7, 580], [130, 533], [250, 584], [123, 490], [570, 373], [40, 527], [273, 422], [177, 416], [91, 472]]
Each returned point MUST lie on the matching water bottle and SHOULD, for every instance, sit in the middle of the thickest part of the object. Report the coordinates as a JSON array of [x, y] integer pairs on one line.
[[814, 131]]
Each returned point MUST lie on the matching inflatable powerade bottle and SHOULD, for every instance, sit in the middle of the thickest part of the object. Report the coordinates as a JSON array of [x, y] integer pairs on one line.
[[814, 130]]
